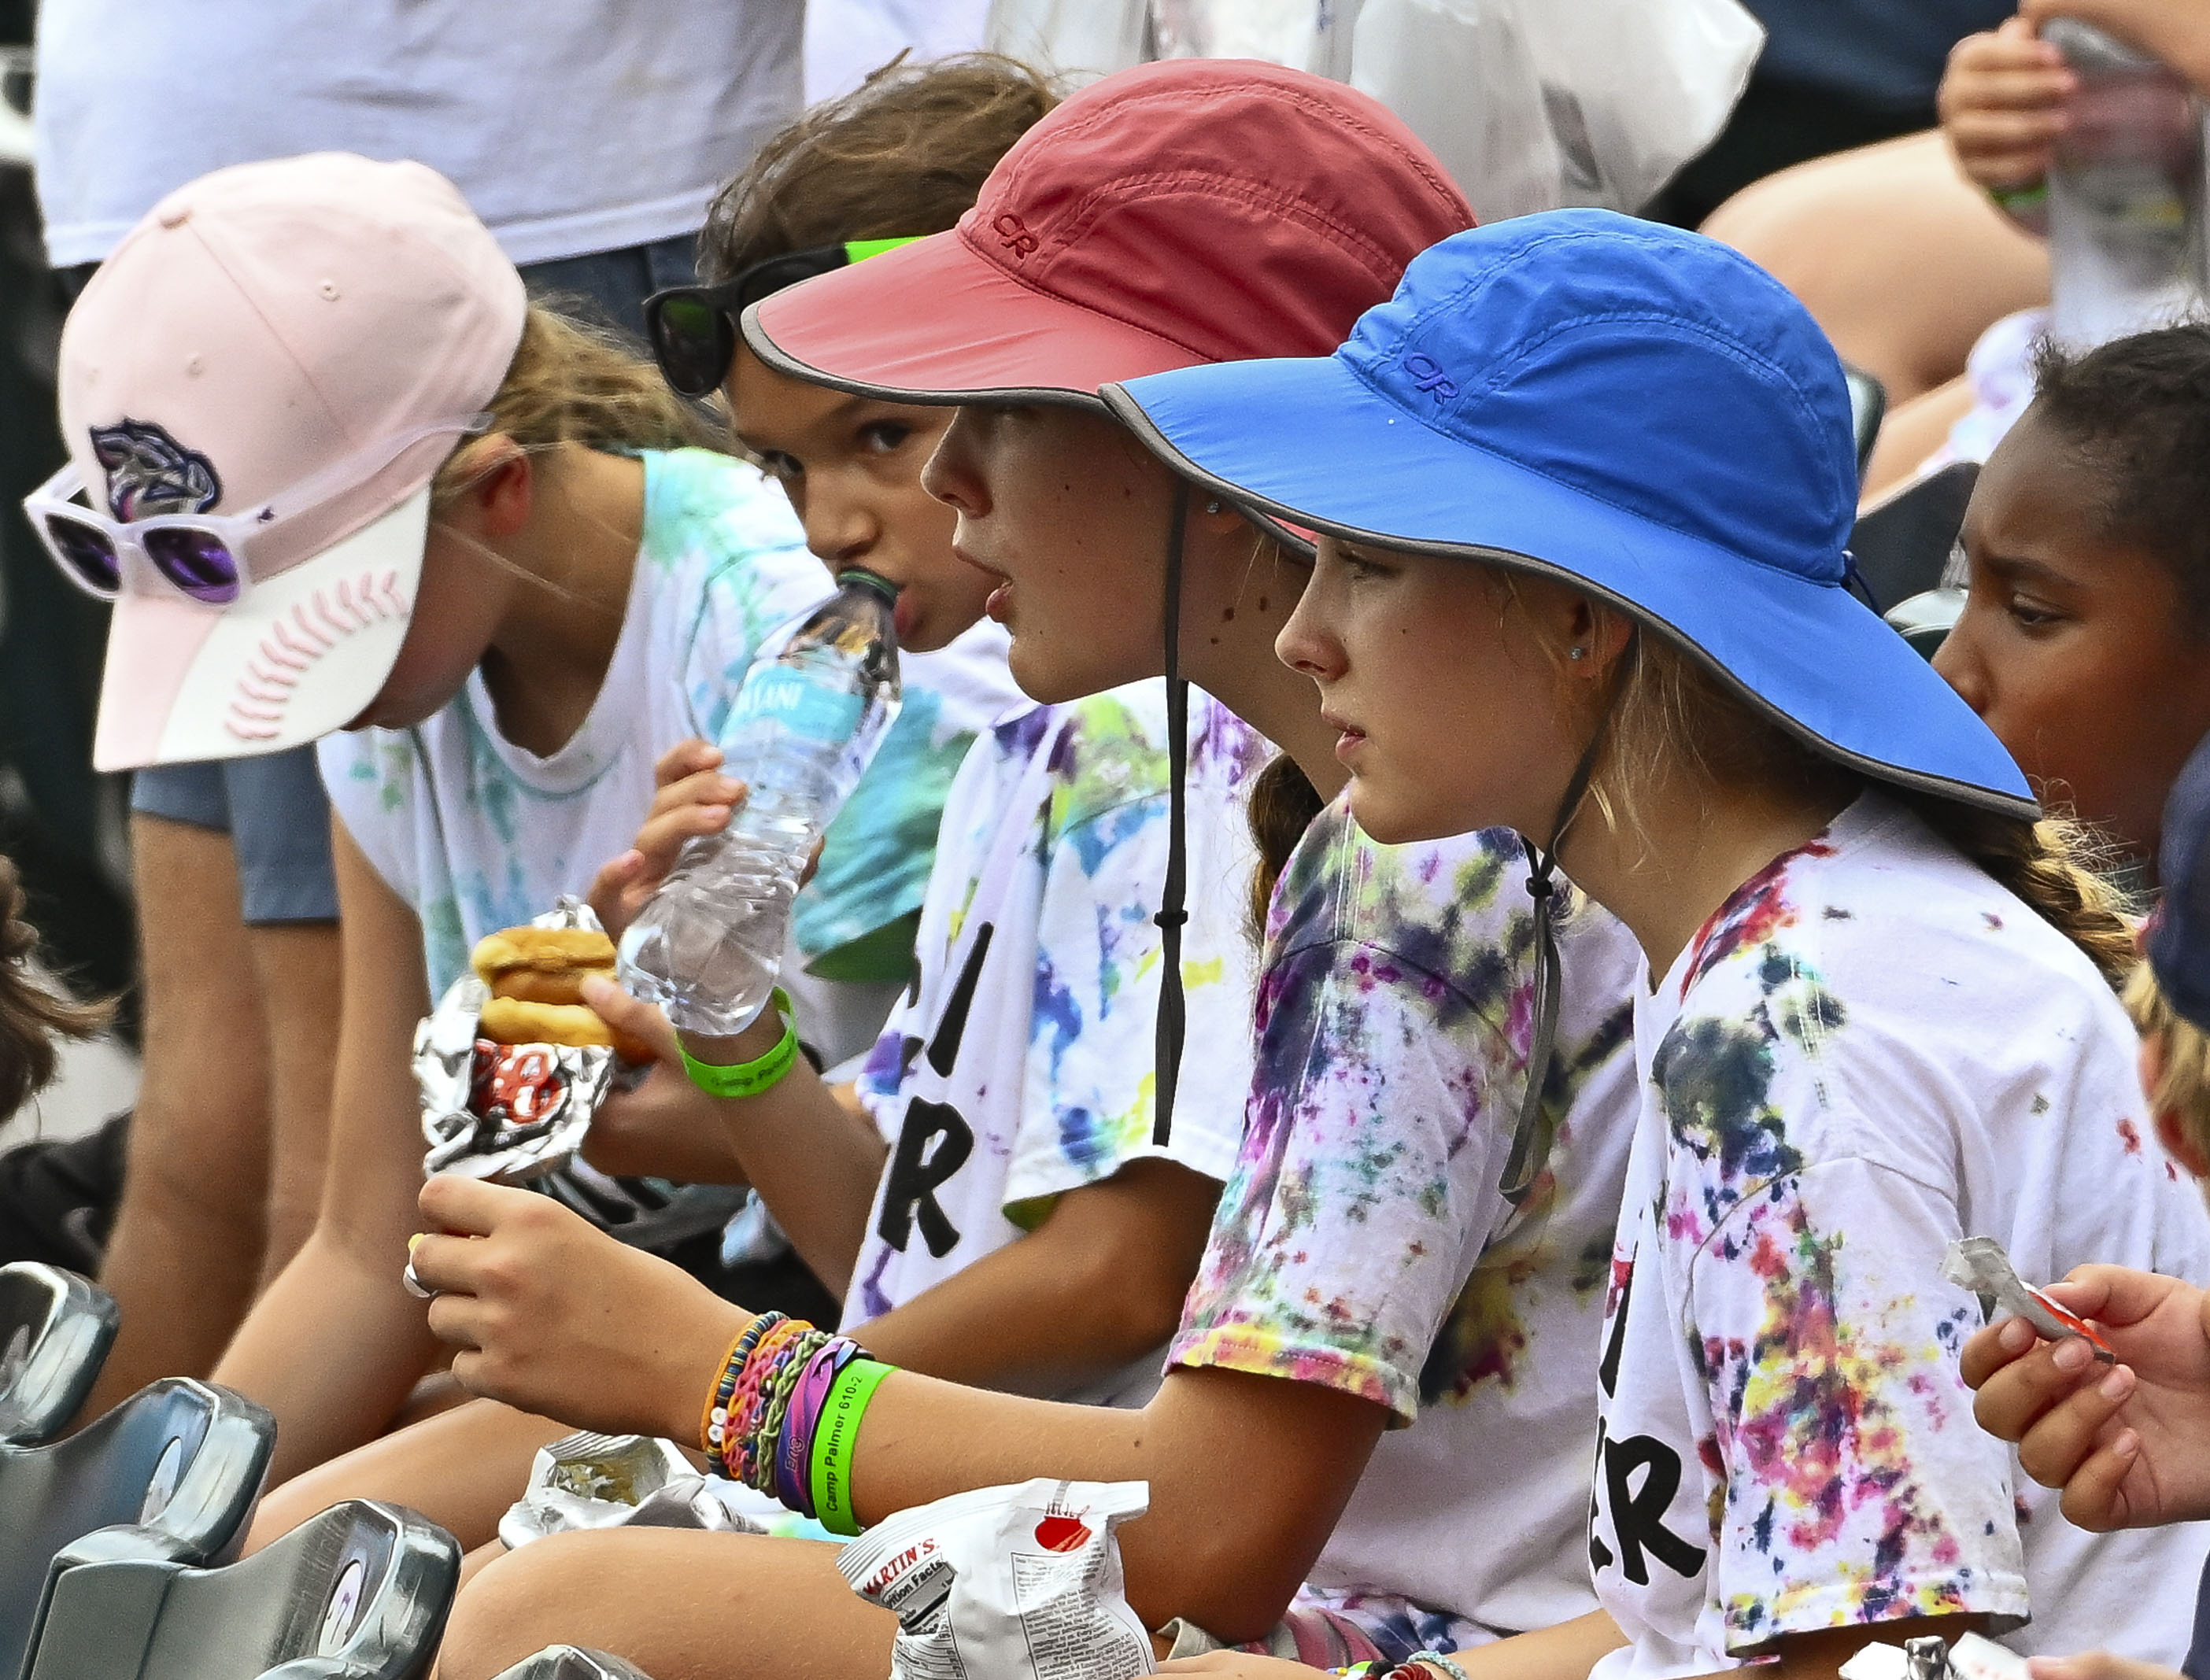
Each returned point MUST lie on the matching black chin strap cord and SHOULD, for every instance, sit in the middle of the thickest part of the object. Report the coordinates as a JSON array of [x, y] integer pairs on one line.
[[1537, 1126], [1173, 913]]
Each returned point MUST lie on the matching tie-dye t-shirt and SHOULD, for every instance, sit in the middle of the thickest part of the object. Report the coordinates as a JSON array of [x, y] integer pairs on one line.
[[1020, 1066], [1362, 1243], [1871, 1050], [476, 833]]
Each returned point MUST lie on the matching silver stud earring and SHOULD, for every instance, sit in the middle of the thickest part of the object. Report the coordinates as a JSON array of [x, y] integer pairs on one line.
[[1213, 506], [1577, 653]]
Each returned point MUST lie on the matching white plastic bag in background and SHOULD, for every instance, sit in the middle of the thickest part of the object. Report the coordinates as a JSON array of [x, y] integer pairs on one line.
[[1536, 104], [1281, 32], [1007, 1583], [1080, 39], [1531, 104]]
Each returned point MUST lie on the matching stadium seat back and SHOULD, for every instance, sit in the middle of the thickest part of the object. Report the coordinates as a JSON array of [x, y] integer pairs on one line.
[[173, 1474], [55, 1330]]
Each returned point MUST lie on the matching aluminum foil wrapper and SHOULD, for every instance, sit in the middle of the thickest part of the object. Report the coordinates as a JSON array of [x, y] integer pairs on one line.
[[1979, 1264], [614, 1481], [508, 1113]]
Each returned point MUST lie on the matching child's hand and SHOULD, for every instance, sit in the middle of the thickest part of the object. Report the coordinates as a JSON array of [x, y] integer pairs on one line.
[[558, 1318], [2124, 1442], [666, 1127], [693, 798], [2003, 103]]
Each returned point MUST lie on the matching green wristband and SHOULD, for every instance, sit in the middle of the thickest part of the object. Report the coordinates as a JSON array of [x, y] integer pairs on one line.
[[749, 1079], [836, 1433]]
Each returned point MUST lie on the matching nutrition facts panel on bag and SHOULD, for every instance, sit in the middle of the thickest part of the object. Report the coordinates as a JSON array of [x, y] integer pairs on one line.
[[1068, 1639]]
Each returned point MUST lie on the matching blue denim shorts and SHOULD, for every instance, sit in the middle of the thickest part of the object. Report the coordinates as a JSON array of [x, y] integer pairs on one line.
[[277, 820]]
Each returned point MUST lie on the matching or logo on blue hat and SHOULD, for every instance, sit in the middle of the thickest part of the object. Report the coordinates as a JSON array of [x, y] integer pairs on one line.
[[1633, 408]]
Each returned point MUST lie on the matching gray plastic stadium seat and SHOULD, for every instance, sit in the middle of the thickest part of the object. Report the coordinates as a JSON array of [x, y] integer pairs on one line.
[[173, 1474], [55, 1332], [359, 1593], [569, 1662]]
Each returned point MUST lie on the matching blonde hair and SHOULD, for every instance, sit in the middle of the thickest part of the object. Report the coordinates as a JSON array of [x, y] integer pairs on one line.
[[32, 1015], [2183, 1058], [570, 382], [1674, 716]]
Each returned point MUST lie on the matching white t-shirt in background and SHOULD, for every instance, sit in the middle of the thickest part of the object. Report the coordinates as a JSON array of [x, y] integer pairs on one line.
[[1871, 1050], [586, 126], [1020, 1066]]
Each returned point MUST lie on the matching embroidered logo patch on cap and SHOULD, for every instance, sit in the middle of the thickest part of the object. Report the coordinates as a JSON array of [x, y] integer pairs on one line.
[[149, 472]]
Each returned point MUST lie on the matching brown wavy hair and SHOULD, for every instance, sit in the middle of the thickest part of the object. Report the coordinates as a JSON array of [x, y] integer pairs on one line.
[[32, 1015], [904, 154]]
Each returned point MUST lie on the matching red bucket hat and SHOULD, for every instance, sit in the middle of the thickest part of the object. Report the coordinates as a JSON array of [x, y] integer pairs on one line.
[[1193, 210]]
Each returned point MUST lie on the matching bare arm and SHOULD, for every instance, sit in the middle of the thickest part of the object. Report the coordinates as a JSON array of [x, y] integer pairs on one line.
[[335, 1345], [1248, 1474], [186, 1252], [814, 1159]]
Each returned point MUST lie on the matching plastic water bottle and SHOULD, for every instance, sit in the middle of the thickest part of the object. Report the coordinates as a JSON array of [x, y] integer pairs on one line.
[[2125, 196], [708, 946]]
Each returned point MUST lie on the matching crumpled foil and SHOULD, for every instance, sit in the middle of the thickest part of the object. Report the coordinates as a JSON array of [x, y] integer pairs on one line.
[[508, 1113], [613, 1481], [1979, 1264]]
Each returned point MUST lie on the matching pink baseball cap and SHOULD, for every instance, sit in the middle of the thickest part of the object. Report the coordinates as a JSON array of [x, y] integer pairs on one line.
[[1192, 210], [297, 345]]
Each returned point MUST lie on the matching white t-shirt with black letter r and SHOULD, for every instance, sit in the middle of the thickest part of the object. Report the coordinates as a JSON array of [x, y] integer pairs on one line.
[[1871, 1050]]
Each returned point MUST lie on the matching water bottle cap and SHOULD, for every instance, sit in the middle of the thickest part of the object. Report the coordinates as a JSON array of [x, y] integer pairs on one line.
[[881, 586]]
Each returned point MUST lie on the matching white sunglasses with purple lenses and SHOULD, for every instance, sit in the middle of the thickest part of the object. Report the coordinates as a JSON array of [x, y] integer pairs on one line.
[[201, 555]]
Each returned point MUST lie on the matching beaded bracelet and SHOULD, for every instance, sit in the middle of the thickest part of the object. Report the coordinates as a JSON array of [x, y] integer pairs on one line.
[[713, 1427], [785, 1413], [1436, 1663]]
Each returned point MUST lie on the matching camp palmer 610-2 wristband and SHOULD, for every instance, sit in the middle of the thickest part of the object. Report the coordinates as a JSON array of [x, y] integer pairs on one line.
[[749, 1079]]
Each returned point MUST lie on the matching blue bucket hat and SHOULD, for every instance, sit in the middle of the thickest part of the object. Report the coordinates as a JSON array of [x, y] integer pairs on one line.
[[1638, 412]]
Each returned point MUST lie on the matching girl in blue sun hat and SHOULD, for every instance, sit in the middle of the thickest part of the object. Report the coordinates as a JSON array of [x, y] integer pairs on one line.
[[1595, 476]]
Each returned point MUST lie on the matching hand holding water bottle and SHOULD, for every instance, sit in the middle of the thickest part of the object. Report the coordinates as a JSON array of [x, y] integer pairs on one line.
[[707, 945]]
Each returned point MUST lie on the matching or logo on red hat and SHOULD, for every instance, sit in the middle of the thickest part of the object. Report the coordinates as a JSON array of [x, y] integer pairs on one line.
[[1014, 234]]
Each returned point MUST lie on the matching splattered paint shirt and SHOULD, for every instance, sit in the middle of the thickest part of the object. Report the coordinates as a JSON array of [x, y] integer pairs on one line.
[[1021, 1064], [1362, 1243], [1869, 1051], [476, 833]]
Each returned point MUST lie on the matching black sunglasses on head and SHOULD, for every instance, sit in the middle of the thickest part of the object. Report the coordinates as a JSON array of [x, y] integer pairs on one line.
[[693, 328]]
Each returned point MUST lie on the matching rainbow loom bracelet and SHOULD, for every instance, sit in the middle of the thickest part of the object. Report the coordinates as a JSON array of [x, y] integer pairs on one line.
[[780, 1374], [713, 1429], [744, 1406]]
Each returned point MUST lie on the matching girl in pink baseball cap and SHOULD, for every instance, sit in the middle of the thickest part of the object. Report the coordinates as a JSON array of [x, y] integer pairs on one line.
[[1368, 1268], [344, 482]]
